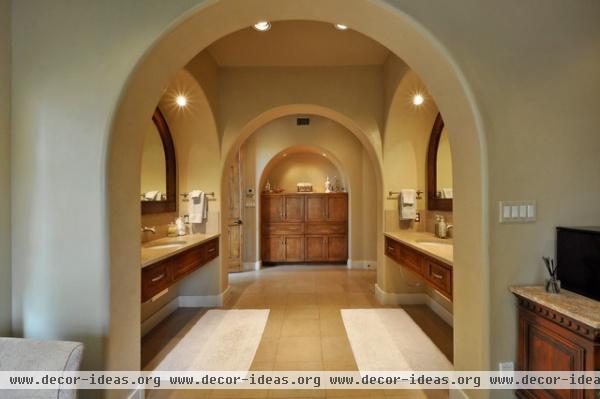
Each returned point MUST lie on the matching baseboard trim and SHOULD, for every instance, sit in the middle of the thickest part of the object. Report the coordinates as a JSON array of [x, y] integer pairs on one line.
[[207, 301], [362, 264], [252, 266], [417, 298], [159, 316], [204, 301], [457, 394]]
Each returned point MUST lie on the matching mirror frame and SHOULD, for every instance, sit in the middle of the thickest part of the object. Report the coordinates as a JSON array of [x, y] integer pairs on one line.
[[170, 205], [434, 203]]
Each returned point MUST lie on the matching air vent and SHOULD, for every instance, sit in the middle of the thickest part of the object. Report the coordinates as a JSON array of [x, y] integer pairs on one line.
[[302, 121]]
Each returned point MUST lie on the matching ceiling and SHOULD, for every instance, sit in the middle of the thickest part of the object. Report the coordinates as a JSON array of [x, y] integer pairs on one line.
[[297, 43]]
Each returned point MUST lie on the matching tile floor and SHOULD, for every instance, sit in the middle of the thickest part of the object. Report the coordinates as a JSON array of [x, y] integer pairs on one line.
[[304, 331]]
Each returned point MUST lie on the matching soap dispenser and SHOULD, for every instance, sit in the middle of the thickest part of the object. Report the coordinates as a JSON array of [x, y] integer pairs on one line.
[[436, 230], [180, 227], [443, 228]]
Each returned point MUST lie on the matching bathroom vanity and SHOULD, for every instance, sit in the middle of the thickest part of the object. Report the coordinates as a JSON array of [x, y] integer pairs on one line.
[[425, 255], [304, 227], [168, 260]]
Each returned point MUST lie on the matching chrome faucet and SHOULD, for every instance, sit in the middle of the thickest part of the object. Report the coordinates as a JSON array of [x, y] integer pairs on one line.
[[150, 229]]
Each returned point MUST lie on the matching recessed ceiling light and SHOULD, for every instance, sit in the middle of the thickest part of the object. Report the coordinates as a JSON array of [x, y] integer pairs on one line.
[[262, 26], [285, 155], [181, 100], [341, 26], [418, 99], [324, 154]]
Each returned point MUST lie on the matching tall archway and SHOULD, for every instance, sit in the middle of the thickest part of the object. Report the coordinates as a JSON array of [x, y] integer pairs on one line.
[[382, 22]]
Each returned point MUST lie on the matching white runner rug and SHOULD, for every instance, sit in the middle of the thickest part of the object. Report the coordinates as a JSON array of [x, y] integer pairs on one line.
[[389, 340], [222, 340]]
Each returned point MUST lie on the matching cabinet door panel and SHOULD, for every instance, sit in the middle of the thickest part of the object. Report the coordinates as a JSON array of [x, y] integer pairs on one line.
[[337, 248], [293, 208], [316, 208], [294, 248], [337, 208], [326, 228], [155, 279], [316, 248], [440, 277], [273, 249], [272, 209]]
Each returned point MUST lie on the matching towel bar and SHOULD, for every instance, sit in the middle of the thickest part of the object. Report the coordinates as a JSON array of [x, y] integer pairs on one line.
[[186, 195], [392, 193]]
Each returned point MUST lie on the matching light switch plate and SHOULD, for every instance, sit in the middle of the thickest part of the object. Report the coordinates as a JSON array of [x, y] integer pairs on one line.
[[518, 211]]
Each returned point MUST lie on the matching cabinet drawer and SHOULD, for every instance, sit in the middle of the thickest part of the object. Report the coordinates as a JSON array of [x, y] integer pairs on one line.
[[187, 261], [155, 279], [325, 228], [440, 277], [283, 228], [410, 258], [391, 249], [211, 250]]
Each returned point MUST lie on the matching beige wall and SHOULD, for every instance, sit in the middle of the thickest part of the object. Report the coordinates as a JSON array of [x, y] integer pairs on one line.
[[5, 236], [506, 116], [289, 170], [342, 148]]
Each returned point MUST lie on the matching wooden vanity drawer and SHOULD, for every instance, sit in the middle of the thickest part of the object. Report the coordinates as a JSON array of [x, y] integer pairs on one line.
[[188, 261], [325, 228], [155, 279], [283, 229], [440, 276], [410, 258], [392, 249], [211, 250]]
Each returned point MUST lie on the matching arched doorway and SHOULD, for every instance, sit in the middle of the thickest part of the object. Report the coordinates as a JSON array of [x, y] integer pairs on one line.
[[393, 29]]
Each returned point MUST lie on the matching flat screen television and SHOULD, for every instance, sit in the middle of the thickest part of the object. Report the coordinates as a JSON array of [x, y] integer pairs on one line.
[[578, 260]]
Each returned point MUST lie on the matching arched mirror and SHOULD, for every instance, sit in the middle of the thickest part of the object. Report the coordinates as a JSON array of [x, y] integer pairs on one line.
[[439, 169], [158, 179]]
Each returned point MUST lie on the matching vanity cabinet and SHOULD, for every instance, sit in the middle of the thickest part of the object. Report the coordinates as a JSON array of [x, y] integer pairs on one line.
[[304, 228], [549, 340], [436, 274], [165, 273]]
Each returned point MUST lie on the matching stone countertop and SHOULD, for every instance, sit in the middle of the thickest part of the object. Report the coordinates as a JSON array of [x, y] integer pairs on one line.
[[152, 255], [418, 241], [575, 306]]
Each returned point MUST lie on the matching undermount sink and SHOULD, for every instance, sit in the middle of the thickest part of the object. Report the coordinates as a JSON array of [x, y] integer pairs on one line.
[[165, 245], [435, 244]]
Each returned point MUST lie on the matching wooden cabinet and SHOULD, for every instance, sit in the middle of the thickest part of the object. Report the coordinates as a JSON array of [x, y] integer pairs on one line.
[[551, 341], [165, 273], [304, 228], [436, 274]]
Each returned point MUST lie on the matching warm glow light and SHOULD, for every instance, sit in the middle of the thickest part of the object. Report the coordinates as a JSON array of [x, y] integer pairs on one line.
[[262, 26], [341, 26], [324, 154], [418, 99], [181, 100], [285, 155]]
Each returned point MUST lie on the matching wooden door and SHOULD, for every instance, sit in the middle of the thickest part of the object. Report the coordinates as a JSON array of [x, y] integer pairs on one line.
[[293, 208], [234, 222], [316, 208], [337, 248], [294, 248], [272, 208], [337, 208], [273, 249], [316, 248]]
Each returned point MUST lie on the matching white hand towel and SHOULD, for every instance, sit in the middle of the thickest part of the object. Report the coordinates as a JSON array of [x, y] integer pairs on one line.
[[447, 192], [407, 203], [151, 195], [196, 206]]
